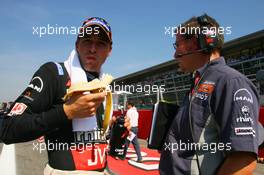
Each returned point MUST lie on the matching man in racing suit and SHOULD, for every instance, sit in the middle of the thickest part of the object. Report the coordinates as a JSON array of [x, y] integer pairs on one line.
[[215, 130], [40, 109]]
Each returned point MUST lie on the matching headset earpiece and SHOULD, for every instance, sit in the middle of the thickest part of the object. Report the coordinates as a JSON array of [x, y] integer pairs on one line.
[[207, 38]]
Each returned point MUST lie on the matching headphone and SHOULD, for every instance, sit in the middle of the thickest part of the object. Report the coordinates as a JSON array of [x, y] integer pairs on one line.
[[207, 38]]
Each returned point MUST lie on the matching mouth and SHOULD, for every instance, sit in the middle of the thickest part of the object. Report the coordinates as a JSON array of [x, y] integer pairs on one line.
[[90, 58]]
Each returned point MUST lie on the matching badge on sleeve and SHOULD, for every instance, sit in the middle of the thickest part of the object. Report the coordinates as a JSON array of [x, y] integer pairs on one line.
[[36, 84], [243, 95], [18, 109], [242, 131]]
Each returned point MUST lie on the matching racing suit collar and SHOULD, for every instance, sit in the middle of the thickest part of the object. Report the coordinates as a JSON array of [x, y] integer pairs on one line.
[[201, 69], [220, 60], [91, 75]]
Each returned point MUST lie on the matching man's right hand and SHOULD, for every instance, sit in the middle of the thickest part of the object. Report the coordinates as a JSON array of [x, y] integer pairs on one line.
[[80, 105]]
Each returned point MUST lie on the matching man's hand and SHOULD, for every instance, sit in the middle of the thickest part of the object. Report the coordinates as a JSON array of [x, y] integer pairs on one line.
[[127, 123], [80, 105], [239, 163]]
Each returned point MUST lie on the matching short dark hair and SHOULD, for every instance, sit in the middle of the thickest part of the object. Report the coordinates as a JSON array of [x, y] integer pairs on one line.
[[130, 103]]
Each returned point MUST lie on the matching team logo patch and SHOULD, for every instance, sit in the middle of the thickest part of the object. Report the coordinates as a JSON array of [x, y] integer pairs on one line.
[[41, 139], [18, 109], [245, 110], [245, 117], [245, 131], [90, 157], [36, 84], [243, 95], [94, 136], [201, 96], [206, 88]]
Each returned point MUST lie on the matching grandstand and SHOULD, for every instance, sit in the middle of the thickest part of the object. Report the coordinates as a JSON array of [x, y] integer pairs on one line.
[[245, 54]]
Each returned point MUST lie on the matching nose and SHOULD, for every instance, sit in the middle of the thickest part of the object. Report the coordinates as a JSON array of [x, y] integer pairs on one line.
[[92, 47]]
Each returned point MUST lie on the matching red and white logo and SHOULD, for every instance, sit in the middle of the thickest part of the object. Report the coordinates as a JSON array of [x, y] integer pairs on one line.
[[18, 109], [41, 139], [90, 157]]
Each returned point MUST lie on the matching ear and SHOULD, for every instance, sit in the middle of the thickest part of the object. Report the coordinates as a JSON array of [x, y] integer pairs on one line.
[[110, 51]]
